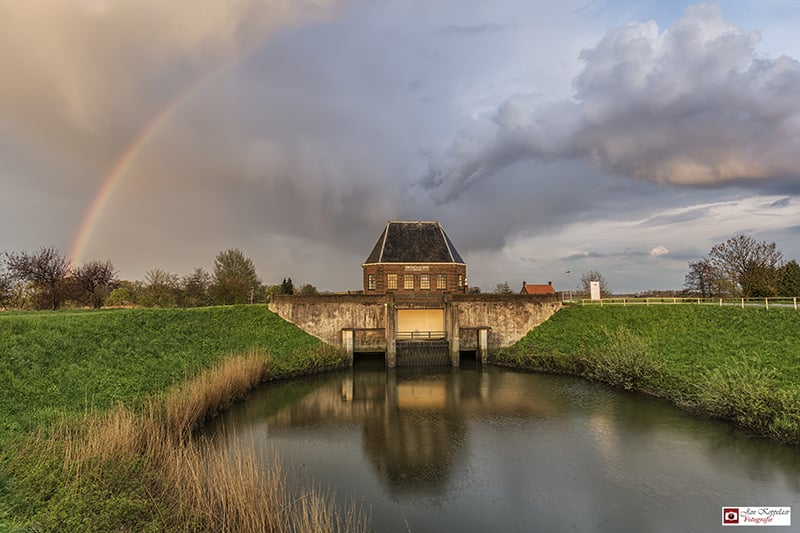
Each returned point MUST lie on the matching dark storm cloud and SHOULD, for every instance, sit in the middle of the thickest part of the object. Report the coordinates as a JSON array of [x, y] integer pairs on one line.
[[231, 158], [293, 129], [80, 79], [263, 121], [690, 105]]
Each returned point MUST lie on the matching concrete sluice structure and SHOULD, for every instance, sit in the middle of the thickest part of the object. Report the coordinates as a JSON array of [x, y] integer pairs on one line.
[[415, 305], [360, 323]]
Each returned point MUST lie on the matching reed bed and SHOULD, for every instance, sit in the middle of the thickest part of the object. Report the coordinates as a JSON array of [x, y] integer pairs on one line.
[[140, 469]]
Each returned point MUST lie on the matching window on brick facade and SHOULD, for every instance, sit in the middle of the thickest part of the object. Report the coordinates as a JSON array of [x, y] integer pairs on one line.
[[371, 282], [460, 280], [408, 282], [441, 281], [425, 281], [391, 281]]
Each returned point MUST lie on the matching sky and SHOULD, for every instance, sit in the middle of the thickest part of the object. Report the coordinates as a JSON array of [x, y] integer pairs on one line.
[[622, 136]]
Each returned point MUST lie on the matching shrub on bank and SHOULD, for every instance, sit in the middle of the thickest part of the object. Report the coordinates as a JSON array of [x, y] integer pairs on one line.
[[736, 364], [623, 360]]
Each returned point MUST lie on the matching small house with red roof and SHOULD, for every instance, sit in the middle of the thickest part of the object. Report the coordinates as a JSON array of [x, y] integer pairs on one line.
[[537, 288]]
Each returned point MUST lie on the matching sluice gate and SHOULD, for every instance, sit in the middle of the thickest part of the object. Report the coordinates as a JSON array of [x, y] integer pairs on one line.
[[434, 352]]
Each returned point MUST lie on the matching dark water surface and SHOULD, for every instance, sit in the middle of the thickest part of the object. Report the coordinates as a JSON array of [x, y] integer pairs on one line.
[[490, 449]]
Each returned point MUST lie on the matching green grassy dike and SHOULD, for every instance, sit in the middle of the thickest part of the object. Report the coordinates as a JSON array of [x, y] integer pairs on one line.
[[99, 407], [741, 365]]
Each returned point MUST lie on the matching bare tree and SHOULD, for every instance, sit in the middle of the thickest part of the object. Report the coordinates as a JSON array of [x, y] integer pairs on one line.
[[704, 279], [46, 268], [593, 275], [502, 288], [749, 266], [96, 279]]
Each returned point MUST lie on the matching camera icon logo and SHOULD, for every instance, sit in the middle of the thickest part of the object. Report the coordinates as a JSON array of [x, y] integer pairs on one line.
[[730, 515]]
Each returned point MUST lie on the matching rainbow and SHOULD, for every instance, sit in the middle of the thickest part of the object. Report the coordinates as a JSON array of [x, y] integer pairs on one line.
[[114, 177]]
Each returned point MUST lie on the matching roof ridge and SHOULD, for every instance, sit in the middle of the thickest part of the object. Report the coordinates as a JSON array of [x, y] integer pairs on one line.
[[383, 244], [446, 243]]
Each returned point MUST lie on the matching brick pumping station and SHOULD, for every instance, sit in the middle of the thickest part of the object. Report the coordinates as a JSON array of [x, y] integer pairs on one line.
[[415, 306]]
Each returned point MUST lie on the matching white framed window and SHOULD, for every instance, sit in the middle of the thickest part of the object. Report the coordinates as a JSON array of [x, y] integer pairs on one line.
[[441, 281], [408, 282], [425, 282], [371, 282], [391, 281]]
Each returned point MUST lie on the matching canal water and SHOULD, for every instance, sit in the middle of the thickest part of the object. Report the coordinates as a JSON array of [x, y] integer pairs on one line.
[[489, 449]]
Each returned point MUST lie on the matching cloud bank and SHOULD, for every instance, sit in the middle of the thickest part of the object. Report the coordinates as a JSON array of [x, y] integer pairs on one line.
[[692, 104], [94, 66]]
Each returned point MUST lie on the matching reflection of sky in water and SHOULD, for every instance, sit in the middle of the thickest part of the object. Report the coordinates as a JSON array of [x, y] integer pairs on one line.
[[497, 450]]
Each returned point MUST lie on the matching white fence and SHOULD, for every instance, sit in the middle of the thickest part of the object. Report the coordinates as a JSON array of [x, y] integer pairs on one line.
[[790, 302]]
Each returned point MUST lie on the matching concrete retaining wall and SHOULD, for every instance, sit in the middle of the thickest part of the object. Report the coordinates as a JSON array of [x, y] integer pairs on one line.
[[325, 316], [509, 316]]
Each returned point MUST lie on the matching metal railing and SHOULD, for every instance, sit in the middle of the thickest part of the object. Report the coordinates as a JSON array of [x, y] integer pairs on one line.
[[777, 301], [421, 335]]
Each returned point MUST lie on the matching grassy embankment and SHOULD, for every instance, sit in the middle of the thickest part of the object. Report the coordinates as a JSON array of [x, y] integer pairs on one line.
[[99, 412], [736, 364]]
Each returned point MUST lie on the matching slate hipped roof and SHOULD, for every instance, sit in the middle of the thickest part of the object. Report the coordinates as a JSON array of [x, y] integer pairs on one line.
[[414, 242]]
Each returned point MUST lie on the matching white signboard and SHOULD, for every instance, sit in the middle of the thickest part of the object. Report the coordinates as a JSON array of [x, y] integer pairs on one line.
[[594, 286]]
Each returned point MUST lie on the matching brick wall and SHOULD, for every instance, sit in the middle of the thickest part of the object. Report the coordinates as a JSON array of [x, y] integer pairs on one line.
[[454, 272]]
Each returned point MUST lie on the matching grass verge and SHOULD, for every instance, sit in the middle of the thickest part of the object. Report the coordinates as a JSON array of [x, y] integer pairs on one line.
[[741, 365], [136, 465]]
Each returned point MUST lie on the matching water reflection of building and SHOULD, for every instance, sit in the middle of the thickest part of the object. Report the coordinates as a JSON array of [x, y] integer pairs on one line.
[[414, 423], [414, 445]]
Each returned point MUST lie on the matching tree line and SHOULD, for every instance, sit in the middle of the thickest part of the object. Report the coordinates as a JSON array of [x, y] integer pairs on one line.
[[743, 267], [46, 279]]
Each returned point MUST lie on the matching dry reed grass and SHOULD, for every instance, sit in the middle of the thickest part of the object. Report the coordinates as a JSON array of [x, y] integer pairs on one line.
[[192, 484]]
